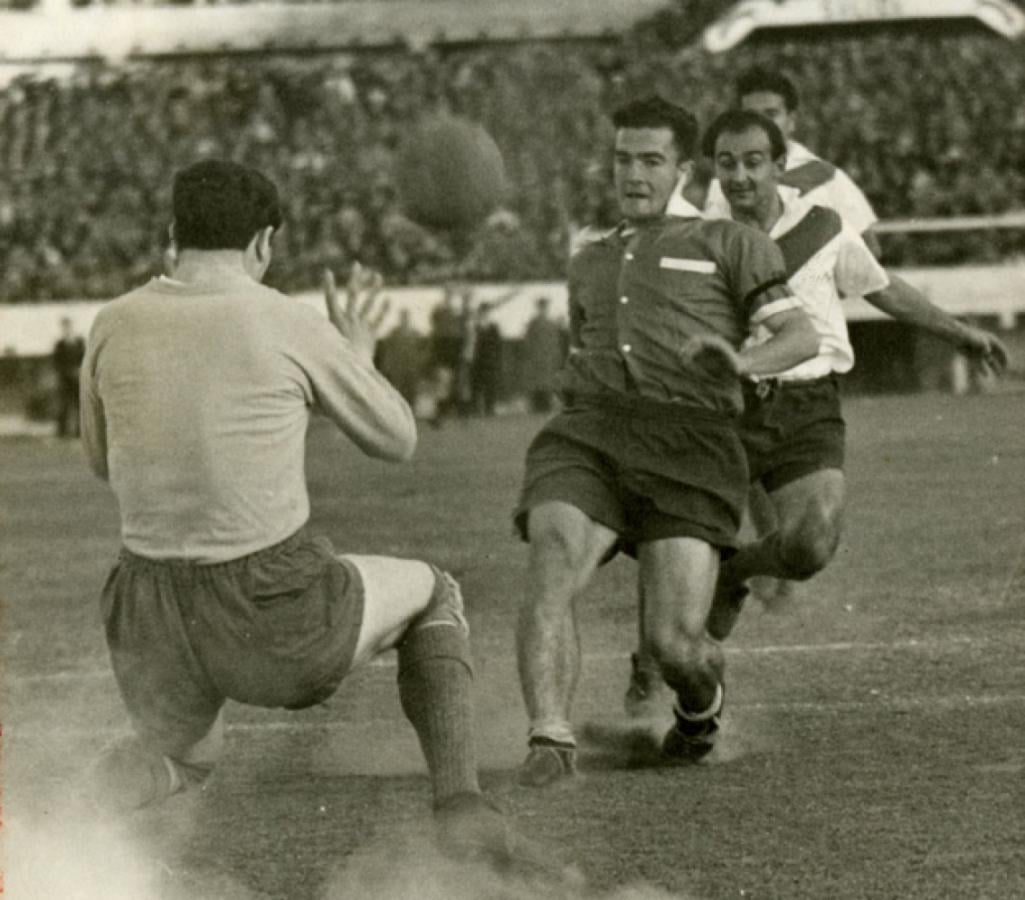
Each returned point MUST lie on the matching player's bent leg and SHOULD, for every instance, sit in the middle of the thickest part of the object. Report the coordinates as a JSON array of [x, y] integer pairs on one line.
[[762, 519], [435, 689], [395, 591], [566, 547], [679, 576], [810, 511], [134, 772], [418, 610]]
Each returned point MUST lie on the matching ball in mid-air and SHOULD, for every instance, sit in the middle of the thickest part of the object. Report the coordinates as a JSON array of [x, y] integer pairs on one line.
[[450, 173]]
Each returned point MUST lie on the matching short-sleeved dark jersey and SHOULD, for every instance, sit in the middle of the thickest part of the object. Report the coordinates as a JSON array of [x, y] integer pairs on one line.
[[638, 294]]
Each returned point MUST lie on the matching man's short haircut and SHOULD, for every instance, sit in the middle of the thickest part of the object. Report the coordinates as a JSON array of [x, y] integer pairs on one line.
[[221, 205], [736, 121], [656, 112], [759, 79]]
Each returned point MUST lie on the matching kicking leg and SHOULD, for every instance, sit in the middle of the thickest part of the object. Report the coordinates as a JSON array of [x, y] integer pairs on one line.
[[565, 548], [679, 576]]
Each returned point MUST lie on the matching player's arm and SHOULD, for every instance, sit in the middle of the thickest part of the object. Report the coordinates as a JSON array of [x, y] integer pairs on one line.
[[758, 279], [793, 340], [91, 414], [347, 387], [906, 303]]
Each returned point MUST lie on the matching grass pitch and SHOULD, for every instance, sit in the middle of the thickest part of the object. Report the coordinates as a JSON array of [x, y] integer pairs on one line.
[[875, 743]]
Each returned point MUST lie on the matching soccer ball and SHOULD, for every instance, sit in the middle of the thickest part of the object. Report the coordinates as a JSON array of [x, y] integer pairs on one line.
[[450, 173]]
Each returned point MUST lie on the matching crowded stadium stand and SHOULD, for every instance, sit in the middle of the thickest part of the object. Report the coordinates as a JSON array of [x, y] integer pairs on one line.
[[928, 121]]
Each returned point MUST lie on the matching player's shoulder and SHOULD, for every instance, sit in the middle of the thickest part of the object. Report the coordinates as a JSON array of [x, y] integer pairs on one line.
[[590, 239], [816, 217], [123, 305], [726, 233]]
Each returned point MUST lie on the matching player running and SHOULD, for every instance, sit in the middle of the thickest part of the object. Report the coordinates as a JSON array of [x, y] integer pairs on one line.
[[792, 426], [772, 94], [197, 392], [646, 450]]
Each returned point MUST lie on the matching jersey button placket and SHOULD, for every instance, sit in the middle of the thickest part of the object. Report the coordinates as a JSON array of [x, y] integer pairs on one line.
[[623, 316]]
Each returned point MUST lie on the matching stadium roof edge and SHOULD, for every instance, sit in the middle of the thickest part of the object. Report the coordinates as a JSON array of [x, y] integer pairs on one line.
[[749, 16], [66, 33]]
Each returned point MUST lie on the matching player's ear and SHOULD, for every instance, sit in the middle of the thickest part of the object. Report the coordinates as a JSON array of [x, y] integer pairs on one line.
[[263, 240], [686, 169], [257, 255]]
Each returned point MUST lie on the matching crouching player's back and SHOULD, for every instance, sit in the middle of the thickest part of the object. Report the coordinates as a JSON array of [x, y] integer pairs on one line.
[[197, 392]]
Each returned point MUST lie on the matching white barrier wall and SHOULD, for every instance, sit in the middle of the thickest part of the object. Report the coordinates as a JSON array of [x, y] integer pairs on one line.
[[30, 329]]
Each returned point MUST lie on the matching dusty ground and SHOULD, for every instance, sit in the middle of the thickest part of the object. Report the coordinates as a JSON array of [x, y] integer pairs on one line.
[[875, 745]]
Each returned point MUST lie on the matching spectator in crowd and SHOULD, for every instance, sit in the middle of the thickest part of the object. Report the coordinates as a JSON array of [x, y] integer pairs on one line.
[[401, 358], [925, 124], [68, 353], [544, 349], [486, 366], [452, 336]]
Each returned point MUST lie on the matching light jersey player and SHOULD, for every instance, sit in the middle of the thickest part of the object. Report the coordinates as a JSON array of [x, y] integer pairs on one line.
[[815, 180], [774, 96], [197, 391], [792, 427]]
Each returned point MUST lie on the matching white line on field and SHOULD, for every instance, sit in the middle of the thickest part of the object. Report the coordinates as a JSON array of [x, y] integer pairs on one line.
[[946, 703], [388, 661]]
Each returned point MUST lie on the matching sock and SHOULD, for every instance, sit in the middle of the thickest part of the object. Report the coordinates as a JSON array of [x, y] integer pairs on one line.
[[713, 709], [553, 733], [435, 688]]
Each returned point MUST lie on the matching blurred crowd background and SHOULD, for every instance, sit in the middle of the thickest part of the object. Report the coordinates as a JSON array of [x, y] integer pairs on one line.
[[929, 123]]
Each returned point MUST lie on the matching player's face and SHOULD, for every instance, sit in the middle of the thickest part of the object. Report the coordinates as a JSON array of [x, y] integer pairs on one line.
[[772, 106], [647, 167], [746, 170]]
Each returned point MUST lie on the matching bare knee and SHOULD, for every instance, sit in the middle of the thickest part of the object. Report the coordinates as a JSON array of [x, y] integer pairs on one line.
[[809, 547], [560, 561], [445, 605], [692, 668]]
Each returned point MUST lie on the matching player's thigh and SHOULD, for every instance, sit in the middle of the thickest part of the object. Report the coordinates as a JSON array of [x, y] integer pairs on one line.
[[678, 577], [565, 538], [812, 502], [395, 591]]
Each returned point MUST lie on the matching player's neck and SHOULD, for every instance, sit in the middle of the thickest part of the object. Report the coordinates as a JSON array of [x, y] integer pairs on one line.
[[764, 215], [209, 265]]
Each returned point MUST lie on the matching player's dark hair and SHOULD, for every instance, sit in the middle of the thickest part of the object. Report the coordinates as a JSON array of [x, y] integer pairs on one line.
[[657, 112], [735, 121], [757, 79], [220, 205]]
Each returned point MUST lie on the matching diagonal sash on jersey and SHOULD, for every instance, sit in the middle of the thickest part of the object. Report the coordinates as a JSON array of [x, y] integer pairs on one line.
[[808, 176], [816, 229]]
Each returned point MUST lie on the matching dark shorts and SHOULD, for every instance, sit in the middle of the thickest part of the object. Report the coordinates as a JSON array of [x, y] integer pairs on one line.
[[791, 430], [647, 471], [277, 628]]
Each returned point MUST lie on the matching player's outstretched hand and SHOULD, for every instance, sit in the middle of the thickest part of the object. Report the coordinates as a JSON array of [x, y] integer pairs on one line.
[[985, 350], [712, 355], [359, 315]]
